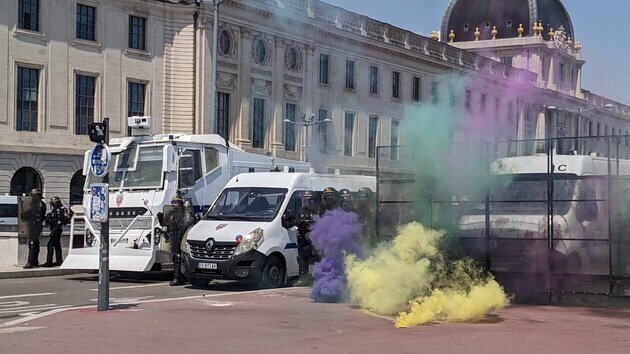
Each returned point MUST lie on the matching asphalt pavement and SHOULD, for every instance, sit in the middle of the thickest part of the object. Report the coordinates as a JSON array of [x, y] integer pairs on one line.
[[20, 298]]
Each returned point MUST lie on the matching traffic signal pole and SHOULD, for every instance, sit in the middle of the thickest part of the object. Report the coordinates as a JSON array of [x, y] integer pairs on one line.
[[103, 264]]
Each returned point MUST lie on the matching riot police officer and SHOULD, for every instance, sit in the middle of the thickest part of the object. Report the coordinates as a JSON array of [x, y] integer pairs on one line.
[[173, 219], [365, 208], [34, 215], [330, 198], [56, 219], [303, 221], [189, 216], [345, 197]]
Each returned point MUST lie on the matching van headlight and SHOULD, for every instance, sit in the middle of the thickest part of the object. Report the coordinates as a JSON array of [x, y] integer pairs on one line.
[[185, 247], [250, 242]]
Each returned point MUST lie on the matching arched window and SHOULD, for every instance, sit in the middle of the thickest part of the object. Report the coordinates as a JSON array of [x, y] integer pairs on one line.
[[76, 188], [260, 51], [225, 43], [24, 180]]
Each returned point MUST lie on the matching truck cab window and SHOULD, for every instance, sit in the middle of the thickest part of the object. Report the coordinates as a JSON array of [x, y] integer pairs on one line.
[[189, 168], [212, 159]]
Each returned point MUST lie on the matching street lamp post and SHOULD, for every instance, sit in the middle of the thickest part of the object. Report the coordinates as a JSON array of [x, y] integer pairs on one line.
[[578, 122], [307, 122]]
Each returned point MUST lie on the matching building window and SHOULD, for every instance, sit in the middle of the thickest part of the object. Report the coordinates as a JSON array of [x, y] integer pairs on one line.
[[225, 42], [507, 60], [434, 92], [599, 130], [86, 22], [260, 54], [24, 180], [223, 114], [590, 128], [28, 15], [561, 72], [483, 103], [372, 135], [137, 32], [394, 140], [374, 80], [627, 138], [292, 58], [349, 74], [348, 136], [84, 103], [467, 100], [27, 99], [511, 112], [324, 62], [258, 133], [322, 131], [605, 130], [136, 98], [289, 128], [497, 107], [452, 96], [395, 84], [417, 93], [77, 184]]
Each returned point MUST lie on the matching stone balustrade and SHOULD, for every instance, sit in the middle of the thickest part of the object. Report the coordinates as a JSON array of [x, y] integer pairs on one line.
[[361, 25]]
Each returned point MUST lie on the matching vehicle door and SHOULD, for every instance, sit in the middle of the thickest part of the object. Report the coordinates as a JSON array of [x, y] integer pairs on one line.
[[190, 175], [289, 228]]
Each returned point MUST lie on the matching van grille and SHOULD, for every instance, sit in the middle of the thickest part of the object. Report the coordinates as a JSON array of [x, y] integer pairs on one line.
[[222, 251]]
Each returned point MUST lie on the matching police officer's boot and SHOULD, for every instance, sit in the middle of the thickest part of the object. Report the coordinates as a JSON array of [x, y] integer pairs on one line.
[[33, 254], [178, 277]]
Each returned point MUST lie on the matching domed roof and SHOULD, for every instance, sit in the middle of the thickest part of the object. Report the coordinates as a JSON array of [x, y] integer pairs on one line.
[[464, 16]]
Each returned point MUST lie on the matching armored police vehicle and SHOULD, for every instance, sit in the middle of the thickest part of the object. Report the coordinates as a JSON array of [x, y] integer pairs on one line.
[[519, 218], [249, 233], [146, 172]]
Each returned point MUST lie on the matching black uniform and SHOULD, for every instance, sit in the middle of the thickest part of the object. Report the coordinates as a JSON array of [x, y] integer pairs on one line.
[[365, 208], [56, 219], [34, 214], [306, 252], [173, 218]]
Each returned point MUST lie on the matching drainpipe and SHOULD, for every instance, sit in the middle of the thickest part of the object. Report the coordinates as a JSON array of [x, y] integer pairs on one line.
[[195, 53]]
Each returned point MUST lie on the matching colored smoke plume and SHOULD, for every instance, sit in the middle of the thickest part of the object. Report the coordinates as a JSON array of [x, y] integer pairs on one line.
[[411, 277], [335, 234]]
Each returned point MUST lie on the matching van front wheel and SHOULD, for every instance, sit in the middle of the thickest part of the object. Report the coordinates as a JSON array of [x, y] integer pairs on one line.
[[273, 274]]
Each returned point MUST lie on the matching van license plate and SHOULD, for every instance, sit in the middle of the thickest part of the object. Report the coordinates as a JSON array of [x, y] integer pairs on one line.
[[207, 265]]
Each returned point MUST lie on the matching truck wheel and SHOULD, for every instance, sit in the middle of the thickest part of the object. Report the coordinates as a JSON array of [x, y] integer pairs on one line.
[[273, 274], [198, 283]]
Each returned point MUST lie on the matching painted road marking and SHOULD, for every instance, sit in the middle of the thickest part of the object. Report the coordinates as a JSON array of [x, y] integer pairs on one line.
[[34, 308], [25, 295], [17, 329], [59, 310], [134, 286]]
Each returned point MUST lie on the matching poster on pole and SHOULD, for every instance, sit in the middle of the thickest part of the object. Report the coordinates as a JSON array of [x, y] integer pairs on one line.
[[99, 203]]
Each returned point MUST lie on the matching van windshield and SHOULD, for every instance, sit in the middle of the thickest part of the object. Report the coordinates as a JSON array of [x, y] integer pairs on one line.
[[249, 204], [526, 194], [138, 167]]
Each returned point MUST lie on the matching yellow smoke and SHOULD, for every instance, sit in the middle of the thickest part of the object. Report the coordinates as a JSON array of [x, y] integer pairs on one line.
[[409, 277]]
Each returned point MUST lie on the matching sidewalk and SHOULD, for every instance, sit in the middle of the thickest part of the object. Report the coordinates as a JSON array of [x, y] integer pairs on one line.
[[7, 272], [287, 321]]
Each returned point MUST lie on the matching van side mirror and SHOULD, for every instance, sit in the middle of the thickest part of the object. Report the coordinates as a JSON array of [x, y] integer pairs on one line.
[[288, 219]]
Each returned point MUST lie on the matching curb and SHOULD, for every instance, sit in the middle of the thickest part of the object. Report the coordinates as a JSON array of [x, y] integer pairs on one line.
[[30, 273]]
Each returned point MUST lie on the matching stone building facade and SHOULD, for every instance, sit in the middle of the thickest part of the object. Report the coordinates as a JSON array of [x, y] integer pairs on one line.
[[277, 60]]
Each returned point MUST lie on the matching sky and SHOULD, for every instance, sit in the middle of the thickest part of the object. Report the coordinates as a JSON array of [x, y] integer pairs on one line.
[[599, 25]]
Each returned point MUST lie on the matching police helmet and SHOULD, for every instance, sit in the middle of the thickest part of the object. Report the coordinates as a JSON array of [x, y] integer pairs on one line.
[[188, 204], [345, 195], [177, 201], [36, 192], [55, 200], [309, 197], [330, 192], [365, 193]]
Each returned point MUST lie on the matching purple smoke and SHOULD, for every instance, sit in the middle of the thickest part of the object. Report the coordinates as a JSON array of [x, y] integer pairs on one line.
[[334, 235]]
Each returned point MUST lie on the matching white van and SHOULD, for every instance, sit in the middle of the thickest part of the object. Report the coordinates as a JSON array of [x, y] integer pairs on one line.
[[248, 234], [518, 213], [8, 213]]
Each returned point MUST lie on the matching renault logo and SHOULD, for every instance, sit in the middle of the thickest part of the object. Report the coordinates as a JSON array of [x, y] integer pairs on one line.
[[209, 245]]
